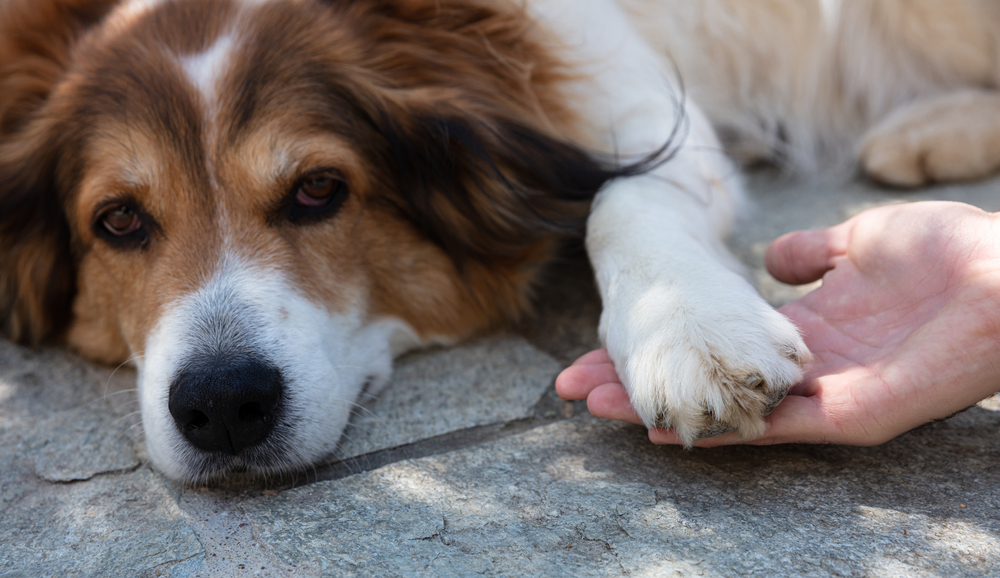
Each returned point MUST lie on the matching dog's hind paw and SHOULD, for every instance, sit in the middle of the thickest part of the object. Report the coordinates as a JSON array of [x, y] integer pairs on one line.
[[955, 137]]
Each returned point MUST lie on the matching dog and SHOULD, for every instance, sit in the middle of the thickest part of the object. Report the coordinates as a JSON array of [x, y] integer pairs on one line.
[[261, 203]]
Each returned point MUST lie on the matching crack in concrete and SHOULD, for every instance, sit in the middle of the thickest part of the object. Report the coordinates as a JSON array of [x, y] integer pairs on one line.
[[608, 547], [439, 534], [445, 443], [618, 521], [107, 473]]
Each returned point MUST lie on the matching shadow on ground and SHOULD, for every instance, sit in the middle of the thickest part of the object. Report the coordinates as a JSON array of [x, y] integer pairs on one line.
[[469, 464]]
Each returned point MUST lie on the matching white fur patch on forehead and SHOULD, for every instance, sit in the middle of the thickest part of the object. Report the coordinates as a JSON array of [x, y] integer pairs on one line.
[[134, 9], [204, 69]]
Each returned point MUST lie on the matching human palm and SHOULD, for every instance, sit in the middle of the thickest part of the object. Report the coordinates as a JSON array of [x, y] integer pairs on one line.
[[905, 328]]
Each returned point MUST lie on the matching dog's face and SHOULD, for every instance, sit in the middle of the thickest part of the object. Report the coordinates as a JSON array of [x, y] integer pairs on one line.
[[261, 203]]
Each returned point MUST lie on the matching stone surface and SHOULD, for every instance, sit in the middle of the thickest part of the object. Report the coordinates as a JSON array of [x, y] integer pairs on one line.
[[38, 419], [592, 498], [81, 443], [57, 427], [438, 491], [231, 549], [53, 412], [116, 526], [492, 380]]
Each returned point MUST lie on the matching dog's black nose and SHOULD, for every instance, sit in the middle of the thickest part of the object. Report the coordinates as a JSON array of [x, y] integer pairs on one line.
[[226, 407]]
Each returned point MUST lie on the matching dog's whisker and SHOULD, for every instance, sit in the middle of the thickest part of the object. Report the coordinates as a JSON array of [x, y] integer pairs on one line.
[[132, 391], [131, 358]]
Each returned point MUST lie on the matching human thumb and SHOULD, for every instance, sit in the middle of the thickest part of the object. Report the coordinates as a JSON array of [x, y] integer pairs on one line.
[[804, 256]]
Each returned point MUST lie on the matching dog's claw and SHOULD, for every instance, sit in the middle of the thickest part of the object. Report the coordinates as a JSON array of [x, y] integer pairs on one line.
[[773, 401], [716, 429], [662, 421]]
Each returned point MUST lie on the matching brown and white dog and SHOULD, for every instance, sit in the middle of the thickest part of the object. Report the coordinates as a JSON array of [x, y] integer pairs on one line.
[[261, 203]]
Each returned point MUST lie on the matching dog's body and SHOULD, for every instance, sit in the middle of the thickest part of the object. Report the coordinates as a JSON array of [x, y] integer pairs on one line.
[[261, 203]]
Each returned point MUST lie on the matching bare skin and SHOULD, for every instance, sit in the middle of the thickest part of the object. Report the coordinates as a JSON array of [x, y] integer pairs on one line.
[[905, 328]]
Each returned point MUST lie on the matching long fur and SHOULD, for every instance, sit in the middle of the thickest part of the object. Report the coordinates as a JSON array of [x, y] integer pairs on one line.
[[799, 82], [466, 139]]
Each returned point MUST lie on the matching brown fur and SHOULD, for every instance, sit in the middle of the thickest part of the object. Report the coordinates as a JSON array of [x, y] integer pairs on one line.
[[443, 116], [36, 272]]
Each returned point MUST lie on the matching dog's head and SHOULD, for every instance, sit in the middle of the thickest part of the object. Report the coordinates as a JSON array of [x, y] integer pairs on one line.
[[260, 203]]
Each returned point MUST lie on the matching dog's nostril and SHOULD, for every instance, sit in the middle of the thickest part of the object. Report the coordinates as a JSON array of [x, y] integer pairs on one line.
[[197, 420], [253, 412], [226, 408]]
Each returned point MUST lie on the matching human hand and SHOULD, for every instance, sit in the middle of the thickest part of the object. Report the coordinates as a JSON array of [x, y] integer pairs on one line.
[[904, 330]]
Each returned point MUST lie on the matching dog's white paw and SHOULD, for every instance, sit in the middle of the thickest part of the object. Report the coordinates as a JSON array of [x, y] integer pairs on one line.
[[703, 358], [951, 138]]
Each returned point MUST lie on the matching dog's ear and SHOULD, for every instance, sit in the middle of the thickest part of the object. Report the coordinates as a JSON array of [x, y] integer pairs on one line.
[[36, 269], [36, 38], [37, 281], [488, 187], [470, 103]]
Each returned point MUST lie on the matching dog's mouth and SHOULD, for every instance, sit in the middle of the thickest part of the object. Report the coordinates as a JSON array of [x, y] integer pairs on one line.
[[245, 377], [276, 459], [263, 462], [236, 421]]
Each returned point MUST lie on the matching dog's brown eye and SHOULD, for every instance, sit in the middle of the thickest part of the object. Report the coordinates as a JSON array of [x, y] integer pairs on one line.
[[318, 190], [317, 196], [122, 221], [123, 225]]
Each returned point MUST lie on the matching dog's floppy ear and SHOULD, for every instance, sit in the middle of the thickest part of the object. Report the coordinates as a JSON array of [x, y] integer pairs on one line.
[[469, 102], [36, 271], [485, 187], [36, 38]]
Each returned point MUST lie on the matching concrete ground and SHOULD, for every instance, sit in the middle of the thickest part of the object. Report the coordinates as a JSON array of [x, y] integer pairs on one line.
[[469, 464]]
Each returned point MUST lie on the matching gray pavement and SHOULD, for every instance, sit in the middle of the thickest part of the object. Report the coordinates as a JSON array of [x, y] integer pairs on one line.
[[468, 464]]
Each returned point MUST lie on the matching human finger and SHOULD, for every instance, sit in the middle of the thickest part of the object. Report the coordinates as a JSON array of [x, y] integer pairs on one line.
[[610, 401], [804, 256], [660, 436], [578, 380], [798, 419], [596, 357]]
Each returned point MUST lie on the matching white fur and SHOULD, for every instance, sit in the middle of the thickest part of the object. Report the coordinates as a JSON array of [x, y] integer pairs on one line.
[[205, 69], [325, 358], [132, 10], [803, 80], [679, 322]]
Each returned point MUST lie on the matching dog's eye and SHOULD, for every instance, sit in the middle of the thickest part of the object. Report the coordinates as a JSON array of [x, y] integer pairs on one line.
[[122, 225], [317, 190], [318, 195], [121, 221]]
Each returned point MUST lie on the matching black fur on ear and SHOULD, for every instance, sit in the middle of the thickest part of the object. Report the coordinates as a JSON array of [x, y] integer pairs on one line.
[[468, 103], [37, 277], [492, 189]]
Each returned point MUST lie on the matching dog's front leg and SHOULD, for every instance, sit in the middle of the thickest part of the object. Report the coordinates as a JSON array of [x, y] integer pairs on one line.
[[694, 344]]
